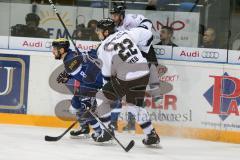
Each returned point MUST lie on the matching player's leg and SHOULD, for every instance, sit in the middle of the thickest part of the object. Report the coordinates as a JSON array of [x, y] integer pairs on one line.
[[135, 96], [145, 123], [107, 95], [130, 122], [116, 110], [78, 107]]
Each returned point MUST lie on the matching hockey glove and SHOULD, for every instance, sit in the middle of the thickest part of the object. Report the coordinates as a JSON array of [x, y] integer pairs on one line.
[[63, 77]]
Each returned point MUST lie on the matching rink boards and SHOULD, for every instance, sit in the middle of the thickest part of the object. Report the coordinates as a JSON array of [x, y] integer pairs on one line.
[[204, 101]]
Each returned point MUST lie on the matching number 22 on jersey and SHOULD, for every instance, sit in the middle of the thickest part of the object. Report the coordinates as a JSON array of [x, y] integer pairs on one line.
[[126, 49]]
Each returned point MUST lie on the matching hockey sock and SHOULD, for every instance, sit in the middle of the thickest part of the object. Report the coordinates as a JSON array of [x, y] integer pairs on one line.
[[117, 108], [95, 125], [106, 119], [142, 118]]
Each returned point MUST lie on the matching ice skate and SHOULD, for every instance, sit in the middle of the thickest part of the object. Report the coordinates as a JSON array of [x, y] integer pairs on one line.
[[152, 139], [104, 136], [82, 133]]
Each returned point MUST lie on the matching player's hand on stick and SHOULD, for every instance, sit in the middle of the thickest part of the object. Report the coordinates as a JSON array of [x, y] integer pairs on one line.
[[63, 77]]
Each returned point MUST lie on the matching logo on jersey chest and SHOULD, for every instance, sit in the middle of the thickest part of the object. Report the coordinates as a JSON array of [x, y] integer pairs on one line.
[[83, 74]]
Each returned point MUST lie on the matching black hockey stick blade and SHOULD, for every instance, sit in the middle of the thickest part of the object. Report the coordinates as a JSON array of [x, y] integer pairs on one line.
[[53, 139], [130, 145]]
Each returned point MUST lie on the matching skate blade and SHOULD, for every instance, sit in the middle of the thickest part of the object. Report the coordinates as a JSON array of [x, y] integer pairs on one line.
[[106, 143], [156, 146], [85, 136]]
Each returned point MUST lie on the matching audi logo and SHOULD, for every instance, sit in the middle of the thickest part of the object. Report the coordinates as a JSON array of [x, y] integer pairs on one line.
[[210, 54], [48, 44], [159, 51]]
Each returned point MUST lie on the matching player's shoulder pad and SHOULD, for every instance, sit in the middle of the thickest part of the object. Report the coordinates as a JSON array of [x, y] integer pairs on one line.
[[72, 64]]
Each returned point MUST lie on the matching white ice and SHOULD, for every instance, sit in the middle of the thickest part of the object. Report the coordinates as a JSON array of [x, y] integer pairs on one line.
[[27, 143]]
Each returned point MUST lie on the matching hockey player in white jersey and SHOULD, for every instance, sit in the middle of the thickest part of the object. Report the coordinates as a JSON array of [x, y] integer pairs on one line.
[[139, 28], [128, 72], [127, 21]]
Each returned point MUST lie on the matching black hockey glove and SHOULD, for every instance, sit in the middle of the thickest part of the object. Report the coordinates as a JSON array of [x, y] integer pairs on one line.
[[89, 103], [63, 77]]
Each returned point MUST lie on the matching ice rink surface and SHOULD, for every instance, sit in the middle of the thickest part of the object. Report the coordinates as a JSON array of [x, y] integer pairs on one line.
[[27, 143]]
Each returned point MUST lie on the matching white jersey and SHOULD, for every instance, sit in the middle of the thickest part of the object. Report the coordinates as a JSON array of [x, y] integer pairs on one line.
[[139, 29], [122, 58], [133, 21], [142, 37]]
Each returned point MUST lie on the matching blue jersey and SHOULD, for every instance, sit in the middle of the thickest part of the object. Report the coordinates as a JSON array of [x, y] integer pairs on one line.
[[83, 70]]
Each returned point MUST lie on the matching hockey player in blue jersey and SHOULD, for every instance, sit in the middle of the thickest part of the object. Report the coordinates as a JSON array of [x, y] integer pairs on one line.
[[78, 67]]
